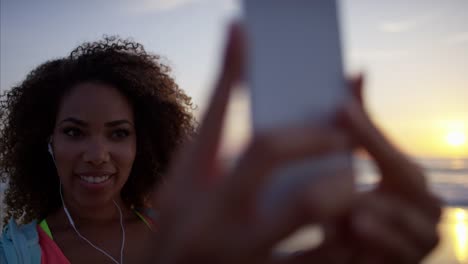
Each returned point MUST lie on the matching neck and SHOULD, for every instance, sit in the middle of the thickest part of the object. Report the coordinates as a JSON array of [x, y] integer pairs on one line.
[[100, 215]]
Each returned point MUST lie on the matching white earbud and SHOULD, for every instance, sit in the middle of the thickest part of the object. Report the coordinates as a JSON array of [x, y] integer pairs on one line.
[[50, 150]]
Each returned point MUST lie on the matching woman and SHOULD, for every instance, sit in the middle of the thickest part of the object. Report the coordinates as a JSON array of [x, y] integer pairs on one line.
[[98, 126], [86, 144]]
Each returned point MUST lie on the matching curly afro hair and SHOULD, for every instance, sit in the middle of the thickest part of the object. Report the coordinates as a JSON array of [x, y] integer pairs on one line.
[[163, 120]]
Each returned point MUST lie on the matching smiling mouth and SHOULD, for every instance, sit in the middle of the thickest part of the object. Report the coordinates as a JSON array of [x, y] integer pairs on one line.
[[95, 180]]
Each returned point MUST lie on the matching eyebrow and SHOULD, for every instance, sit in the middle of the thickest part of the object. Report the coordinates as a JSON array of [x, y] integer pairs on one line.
[[84, 124], [118, 122]]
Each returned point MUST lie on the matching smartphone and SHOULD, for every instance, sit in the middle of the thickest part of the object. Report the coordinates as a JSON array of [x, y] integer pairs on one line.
[[295, 75]]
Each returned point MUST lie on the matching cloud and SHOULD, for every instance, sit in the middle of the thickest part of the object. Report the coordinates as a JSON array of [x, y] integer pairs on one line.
[[457, 38], [233, 6], [405, 25], [155, 6], [378, 55], [395, 27]]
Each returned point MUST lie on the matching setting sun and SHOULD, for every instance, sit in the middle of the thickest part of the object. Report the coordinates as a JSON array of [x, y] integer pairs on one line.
[[456, 138]]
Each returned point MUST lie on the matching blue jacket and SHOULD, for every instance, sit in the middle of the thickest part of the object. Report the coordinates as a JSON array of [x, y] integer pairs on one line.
[[20, 244]]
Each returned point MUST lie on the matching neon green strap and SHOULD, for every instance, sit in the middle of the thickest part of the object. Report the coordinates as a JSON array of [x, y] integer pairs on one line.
[[143, 219], [43, 224]]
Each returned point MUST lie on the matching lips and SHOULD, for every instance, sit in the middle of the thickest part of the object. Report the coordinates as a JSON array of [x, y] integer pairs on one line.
[[91, 179], [95, 177]]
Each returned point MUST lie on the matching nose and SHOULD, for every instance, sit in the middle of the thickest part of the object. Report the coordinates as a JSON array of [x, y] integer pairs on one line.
[[96, 152]]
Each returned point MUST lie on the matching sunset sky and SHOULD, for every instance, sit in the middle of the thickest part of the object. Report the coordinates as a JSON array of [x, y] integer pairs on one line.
[[414, 55]]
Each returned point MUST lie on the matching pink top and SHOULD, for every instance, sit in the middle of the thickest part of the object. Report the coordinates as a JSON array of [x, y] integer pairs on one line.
[[50, 252]]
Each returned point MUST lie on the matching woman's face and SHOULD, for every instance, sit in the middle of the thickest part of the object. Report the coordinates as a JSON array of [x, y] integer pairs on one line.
[[94, 144]]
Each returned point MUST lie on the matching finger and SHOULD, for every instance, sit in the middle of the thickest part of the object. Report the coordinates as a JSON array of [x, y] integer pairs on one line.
[[400, 175], [198, 159], [381, 239], [278, 148], [337, 230], [408, 221], [398, 172], [335, 254], [307, 204], [310, 200], [195, 164], [372, 258], [206, 146], [356, 85]]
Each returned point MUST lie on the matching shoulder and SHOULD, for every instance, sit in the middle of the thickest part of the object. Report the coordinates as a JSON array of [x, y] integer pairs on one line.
[[20, 243]]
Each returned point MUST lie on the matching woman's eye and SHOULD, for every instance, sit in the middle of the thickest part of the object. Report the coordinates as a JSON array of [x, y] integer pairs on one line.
[[120, 134], [72, 132]]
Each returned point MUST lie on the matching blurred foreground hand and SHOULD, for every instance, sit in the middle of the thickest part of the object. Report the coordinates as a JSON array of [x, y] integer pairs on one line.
[[209, 215]]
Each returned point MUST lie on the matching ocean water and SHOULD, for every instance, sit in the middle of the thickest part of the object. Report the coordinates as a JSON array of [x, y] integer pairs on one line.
[[448, 178]]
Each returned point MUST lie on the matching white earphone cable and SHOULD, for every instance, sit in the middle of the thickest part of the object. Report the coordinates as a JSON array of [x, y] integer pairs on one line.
[[70, 219], [72, 223]]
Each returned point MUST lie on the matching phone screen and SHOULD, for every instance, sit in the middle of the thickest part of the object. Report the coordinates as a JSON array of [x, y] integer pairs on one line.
[[295, 75], [295, 62]]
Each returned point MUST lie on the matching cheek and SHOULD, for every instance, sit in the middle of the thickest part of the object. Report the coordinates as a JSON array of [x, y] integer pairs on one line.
[[124, 156], [66, 155], [64, 147]]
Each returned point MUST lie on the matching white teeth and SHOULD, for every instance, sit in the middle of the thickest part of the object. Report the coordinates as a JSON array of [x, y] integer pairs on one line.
[[91, 179]]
